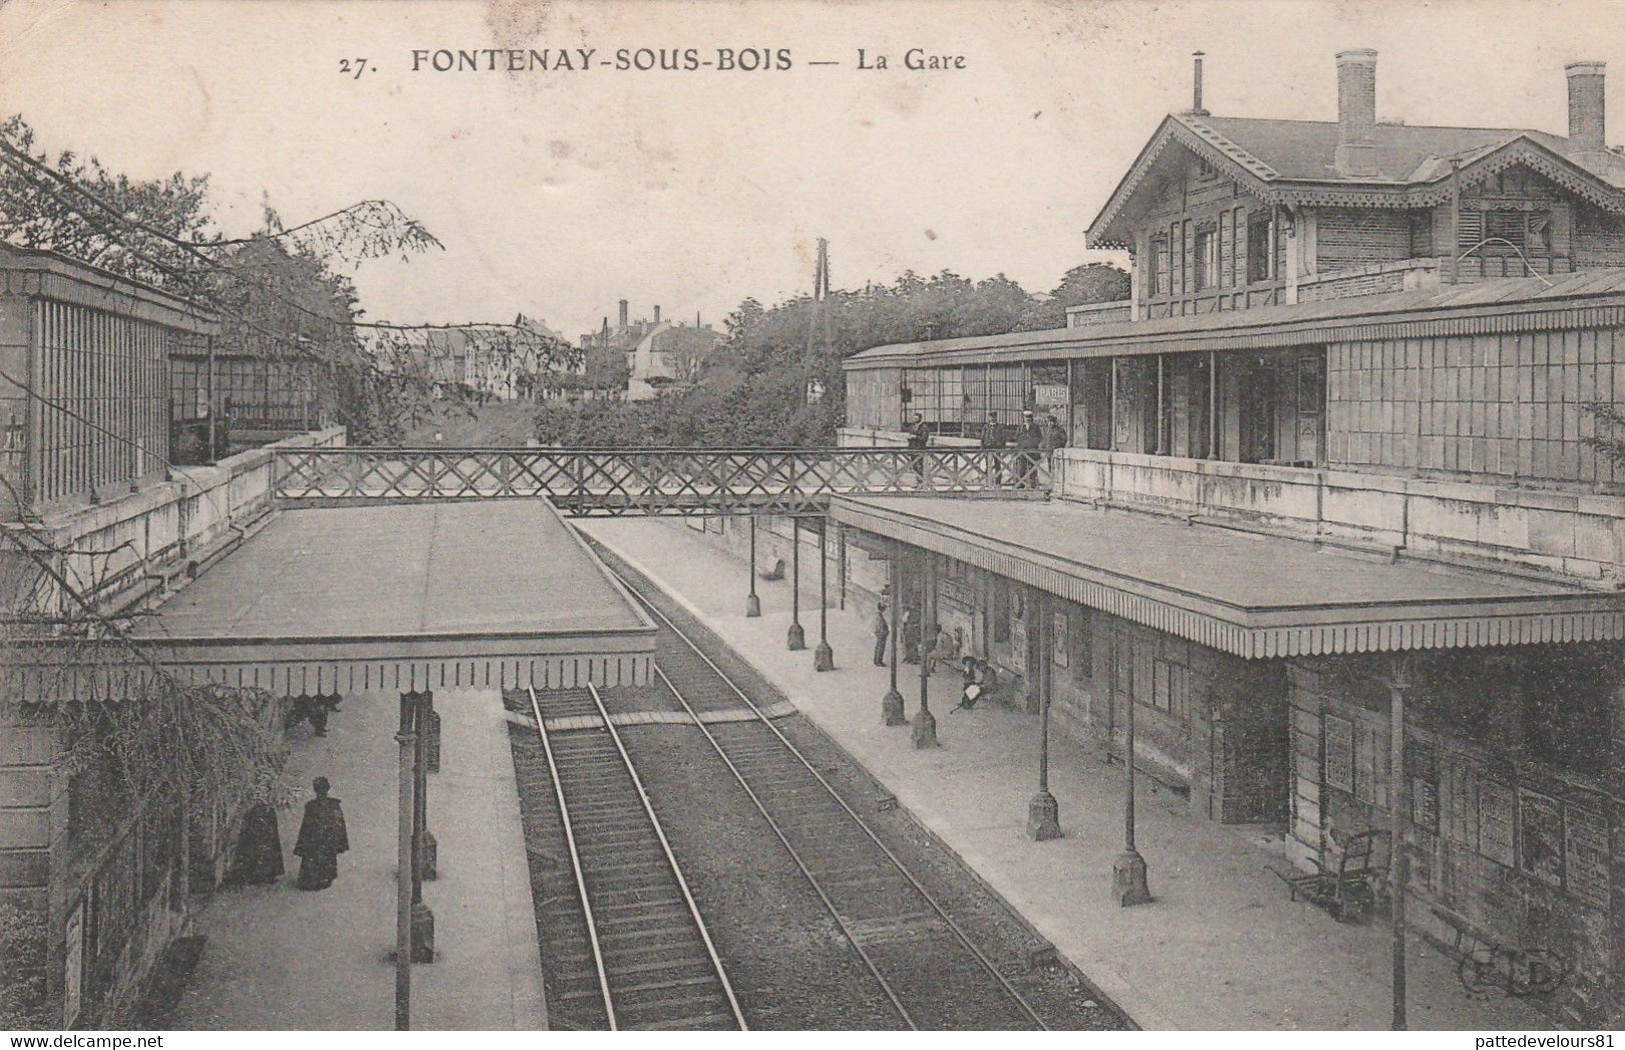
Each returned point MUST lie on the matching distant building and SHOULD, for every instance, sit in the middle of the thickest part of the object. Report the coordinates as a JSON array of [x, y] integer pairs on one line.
[[669, 354], [499, 362], [607, 353]]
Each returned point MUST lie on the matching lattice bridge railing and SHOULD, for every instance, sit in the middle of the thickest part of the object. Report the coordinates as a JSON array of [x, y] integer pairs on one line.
[[652, 481]]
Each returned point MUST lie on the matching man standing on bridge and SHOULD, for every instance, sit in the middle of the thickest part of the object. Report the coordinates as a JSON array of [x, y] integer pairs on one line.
[[919, 438]]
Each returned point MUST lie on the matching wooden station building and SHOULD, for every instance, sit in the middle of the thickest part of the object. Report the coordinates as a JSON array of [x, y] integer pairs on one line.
[[1329, 476]]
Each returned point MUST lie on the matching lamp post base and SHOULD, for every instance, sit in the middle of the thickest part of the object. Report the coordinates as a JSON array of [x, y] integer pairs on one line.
[[824, 657], [891, 709], [429, 858], [753, 605], [1043, 818], [796, 639], [422, 933], [1128, 880], [925, 730]]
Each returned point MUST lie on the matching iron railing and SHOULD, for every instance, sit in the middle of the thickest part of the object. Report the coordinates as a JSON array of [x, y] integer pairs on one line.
[[652, 481]]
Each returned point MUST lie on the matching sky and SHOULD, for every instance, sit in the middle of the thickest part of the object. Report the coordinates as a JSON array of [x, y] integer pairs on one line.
[[557, 193]]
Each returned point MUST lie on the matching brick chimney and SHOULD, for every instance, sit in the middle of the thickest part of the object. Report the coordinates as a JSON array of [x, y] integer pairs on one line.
[[1586, 129], [623, 313], [1196, 85], [1356, 113], [657, 313]]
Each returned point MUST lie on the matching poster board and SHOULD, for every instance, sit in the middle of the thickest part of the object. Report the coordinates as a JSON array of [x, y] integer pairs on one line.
[[1540, 837], [1337, 735]]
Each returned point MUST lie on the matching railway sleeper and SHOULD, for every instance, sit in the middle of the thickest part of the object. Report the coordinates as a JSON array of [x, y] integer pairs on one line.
[[682, 988], [640, 857], [851, 877], [713, 1020], [641, 914], [695, 961], [652, 937], [653, 888], [610, 879]]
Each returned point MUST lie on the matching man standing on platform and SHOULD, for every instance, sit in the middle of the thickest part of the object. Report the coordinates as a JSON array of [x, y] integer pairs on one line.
[[322, 837], [882, 633]]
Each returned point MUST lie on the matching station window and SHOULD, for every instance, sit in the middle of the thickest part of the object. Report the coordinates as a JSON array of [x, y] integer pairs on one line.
[[1156, 266], [1260, 260], [1506, 232], [1206, 271]]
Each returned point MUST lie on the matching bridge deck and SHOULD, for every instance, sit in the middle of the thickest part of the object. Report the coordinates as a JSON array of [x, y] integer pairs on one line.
[[652, 481]]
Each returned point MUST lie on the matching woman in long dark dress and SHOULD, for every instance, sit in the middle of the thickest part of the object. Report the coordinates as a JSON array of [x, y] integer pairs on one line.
[[258, 858], [322, 837]]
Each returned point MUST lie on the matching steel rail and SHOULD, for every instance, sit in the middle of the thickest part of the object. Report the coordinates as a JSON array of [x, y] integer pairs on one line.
[[795, 856], [575, 859], [671, 860], [958, 931]]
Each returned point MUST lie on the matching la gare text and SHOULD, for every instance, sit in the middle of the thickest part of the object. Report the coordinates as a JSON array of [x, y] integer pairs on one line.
[[651, 59]]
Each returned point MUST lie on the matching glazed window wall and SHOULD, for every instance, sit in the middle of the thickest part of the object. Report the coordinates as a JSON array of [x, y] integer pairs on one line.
[[104, 388]]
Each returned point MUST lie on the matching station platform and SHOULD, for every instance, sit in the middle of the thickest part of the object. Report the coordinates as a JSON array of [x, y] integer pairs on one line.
[[279, 958], [1220, 947]]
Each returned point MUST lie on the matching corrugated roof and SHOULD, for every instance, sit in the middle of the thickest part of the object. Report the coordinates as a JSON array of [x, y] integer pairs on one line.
[[1306, 149], [1578, 289]]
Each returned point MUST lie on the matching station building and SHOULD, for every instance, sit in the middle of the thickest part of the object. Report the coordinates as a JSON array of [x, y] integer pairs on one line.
[[1331, 475], [125, 576]]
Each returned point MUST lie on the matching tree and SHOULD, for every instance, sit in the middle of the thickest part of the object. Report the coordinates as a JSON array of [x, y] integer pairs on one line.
[[278, 291], [752, 390], [1081, 286]]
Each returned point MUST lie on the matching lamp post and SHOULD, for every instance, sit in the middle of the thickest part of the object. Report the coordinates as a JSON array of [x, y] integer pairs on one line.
[[407, 738], [423, 845], [1128, 870], [1399, 683], [753, 604], [925, 724], [891, 707], [1043, 812], [796, 639], [824, 655]]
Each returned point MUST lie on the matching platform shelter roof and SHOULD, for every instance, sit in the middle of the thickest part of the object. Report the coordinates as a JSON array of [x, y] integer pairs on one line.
[[489, 594], [1245, 593]]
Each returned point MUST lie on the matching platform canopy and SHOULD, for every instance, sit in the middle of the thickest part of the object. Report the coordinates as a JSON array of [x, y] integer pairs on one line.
[[402, 597], [1241, 592]]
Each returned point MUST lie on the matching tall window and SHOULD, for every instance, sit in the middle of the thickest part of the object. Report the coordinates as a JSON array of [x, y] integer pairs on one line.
[[1206, 269], [1156, 266], [1260, 259]]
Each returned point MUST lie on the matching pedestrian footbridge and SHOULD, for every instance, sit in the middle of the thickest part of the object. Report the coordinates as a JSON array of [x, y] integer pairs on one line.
[[609, 482]]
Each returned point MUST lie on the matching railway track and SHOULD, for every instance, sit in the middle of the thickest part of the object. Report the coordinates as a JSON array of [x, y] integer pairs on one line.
[[640, 956], [930, 970]]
